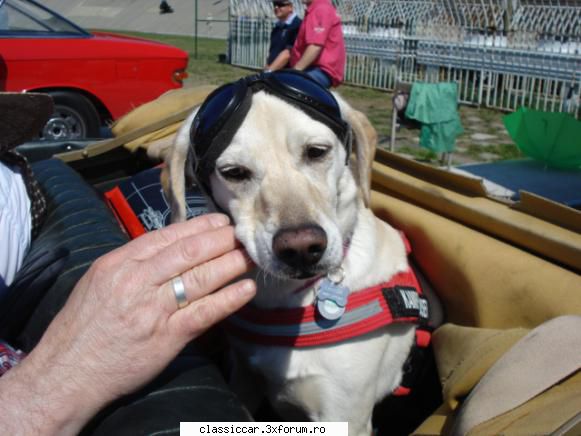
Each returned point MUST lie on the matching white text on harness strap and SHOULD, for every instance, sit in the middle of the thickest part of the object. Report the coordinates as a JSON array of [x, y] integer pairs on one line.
[[412, 300]]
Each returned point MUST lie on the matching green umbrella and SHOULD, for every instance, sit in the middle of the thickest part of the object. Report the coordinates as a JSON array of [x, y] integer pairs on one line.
[[551, 137]]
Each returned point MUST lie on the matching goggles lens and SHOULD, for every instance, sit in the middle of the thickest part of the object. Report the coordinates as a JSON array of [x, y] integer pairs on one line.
[[306, 89], [215, 108]]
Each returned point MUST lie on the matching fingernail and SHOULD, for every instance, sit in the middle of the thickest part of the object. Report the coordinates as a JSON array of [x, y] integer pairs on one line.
[[247, 288], [220, 220]]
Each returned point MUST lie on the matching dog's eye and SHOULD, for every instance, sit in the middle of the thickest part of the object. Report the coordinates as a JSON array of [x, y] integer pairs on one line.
[[316, 152], [236, 174]]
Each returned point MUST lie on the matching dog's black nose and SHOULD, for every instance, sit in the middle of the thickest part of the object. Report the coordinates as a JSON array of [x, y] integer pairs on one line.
[[300, 247]]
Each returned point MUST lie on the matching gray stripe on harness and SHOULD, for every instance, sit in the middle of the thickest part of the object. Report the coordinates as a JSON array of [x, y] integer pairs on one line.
[[308, 328]]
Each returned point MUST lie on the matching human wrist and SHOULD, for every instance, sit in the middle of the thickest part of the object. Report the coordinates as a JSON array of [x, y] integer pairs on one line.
[[43, 400]]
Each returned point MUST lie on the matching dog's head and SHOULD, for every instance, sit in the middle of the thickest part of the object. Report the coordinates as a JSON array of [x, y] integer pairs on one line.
[[283, 173]]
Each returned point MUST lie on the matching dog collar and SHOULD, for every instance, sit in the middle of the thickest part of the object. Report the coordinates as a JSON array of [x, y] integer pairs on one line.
[[399, 300]]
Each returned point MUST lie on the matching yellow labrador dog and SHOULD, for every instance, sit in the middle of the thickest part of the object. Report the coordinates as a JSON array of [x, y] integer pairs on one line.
[[338, 310]]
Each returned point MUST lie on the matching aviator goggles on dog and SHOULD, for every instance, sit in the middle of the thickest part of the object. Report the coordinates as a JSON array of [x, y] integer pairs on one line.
[[224, 110]]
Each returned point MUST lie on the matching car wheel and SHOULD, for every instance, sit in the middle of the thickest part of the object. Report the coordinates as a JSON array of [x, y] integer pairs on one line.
[[74, 117]]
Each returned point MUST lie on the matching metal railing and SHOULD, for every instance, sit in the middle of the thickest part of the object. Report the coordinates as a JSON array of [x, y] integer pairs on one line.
[[502, 53]]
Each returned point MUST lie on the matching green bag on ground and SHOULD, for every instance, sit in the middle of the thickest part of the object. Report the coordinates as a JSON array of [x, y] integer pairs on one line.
[[435, 106]]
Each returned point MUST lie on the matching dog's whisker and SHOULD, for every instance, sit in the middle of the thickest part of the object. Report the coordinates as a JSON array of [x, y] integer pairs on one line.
[[265, 277]]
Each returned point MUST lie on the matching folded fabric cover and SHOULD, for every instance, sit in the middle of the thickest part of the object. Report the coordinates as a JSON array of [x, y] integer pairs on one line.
[[151, 126], [545, 357], [169, 103]]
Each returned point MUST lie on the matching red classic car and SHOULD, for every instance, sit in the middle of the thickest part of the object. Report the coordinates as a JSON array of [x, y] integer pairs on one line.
[[93, 77]]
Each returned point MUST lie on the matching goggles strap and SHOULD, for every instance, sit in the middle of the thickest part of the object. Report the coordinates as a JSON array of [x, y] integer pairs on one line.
[[348, 144], [215, 146], [304, 103]]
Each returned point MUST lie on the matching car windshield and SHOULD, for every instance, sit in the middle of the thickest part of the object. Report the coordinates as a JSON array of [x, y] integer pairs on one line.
[[25, 18]]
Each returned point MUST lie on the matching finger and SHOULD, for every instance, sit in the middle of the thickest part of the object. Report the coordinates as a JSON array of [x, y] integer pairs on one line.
[[151, 243], [207, 277], [204, 313], [189, 252]]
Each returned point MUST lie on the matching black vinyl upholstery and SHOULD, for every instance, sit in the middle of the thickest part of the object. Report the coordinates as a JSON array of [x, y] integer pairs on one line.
[[80, 226]]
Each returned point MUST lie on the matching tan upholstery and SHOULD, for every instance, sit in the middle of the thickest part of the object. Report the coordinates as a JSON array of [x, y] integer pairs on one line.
[[499, 269], [171, 102], [159, 142], [482, 281]]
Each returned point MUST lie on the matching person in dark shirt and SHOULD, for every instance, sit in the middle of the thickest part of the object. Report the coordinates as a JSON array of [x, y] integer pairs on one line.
[[283, 35], [165, 8]]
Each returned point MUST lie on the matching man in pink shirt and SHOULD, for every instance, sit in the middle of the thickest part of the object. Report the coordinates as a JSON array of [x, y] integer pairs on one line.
[[319, 49]]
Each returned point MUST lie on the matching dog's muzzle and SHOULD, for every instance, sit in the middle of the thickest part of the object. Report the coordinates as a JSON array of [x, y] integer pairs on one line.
[[300, 248]]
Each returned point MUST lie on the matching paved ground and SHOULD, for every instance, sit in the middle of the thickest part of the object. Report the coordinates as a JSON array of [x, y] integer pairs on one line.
[[484, 137], [144, 16]]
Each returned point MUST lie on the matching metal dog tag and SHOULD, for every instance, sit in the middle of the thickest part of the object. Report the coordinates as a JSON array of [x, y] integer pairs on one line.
[[332, 296]]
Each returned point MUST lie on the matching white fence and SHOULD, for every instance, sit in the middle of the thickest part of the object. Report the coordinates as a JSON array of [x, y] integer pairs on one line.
[[503, 53]]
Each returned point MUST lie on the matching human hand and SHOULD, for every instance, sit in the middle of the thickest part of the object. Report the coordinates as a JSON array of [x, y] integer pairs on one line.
[[121, 325]]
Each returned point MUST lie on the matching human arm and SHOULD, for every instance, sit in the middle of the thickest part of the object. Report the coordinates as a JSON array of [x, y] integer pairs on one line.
[[310, 55], [280, 61], [121, 326]]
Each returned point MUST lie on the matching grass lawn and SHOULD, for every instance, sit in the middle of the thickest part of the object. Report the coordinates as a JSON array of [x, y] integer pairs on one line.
[[205, 69]]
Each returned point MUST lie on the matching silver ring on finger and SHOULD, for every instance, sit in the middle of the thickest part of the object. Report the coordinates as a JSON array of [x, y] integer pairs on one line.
[[179, 291]]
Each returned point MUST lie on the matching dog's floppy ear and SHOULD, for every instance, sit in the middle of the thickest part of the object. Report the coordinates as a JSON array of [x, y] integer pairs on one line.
[[364, 137], [178, 171]]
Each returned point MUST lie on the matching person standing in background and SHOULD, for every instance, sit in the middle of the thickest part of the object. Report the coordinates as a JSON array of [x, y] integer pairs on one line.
[[165, 8], [283, 35], [319, 49]]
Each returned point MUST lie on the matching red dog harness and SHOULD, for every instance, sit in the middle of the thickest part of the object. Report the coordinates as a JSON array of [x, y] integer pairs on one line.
[[400, 300]]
